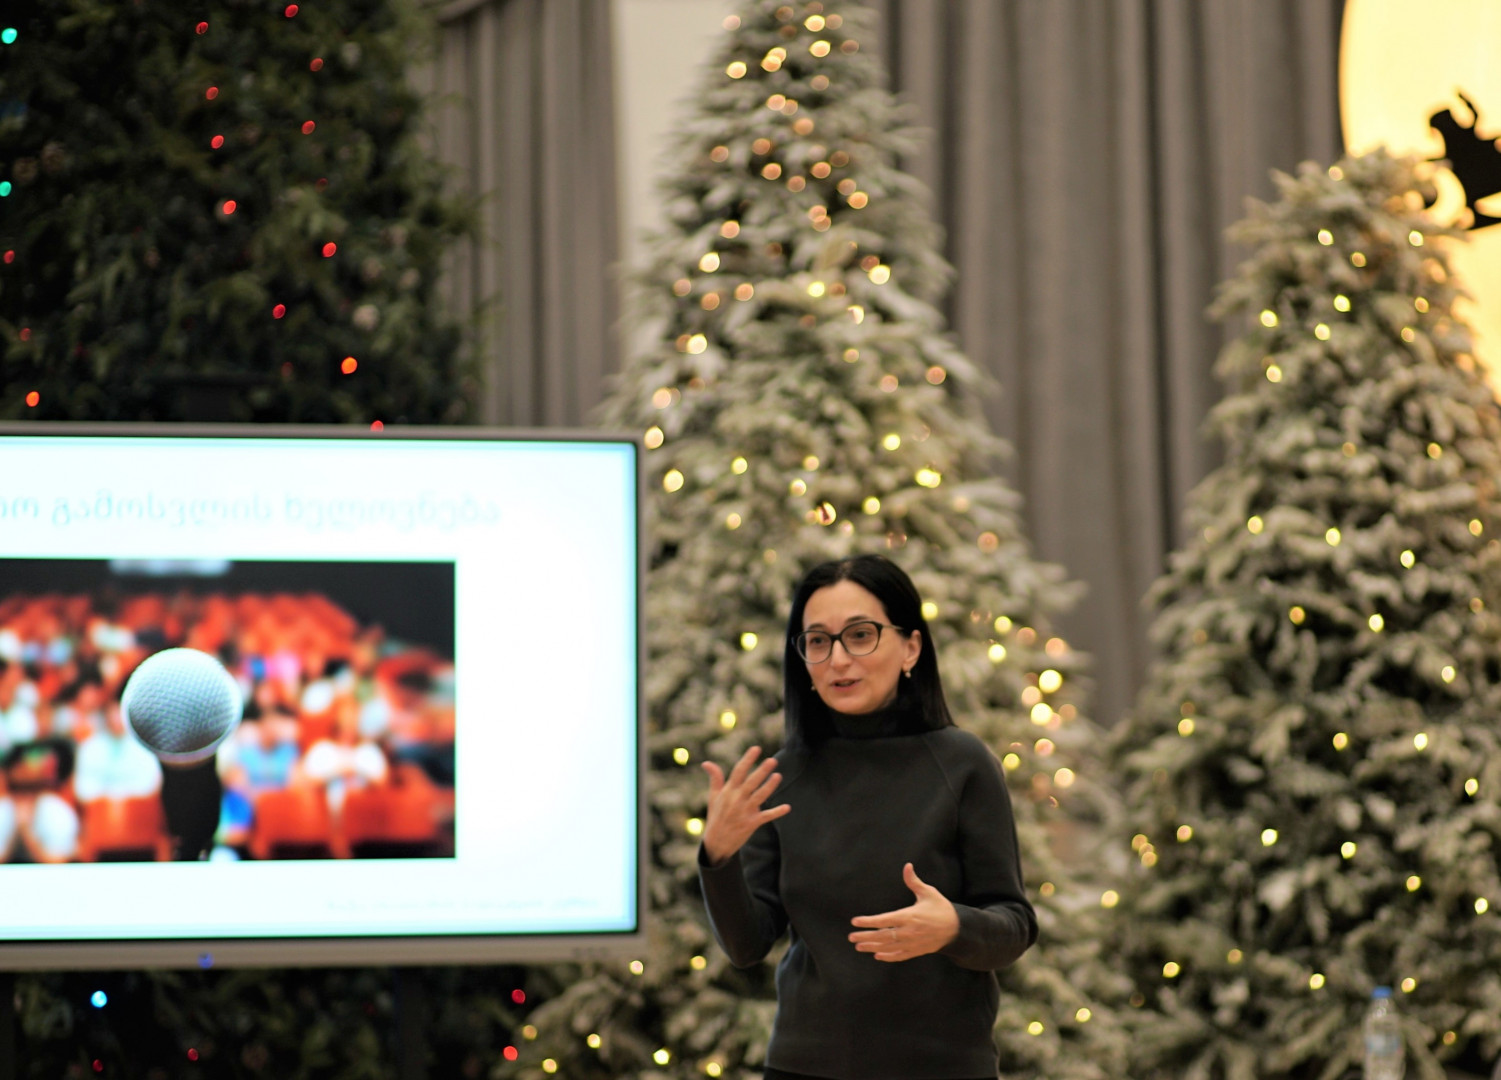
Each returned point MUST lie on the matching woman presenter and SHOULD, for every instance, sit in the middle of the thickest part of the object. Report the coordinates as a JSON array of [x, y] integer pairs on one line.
[[881, 838]]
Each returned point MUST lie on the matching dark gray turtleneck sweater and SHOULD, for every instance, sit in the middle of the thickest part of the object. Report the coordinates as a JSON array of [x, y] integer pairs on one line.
[[864, 803]]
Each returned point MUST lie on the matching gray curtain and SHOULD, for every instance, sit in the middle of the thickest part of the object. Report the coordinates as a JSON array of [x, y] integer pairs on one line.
[[1086, 158], [523, 111]]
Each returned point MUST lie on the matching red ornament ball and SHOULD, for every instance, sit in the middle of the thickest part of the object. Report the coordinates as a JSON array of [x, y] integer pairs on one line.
[[10, 256], [317, 64], [192, 1054], [202, 28], [307, 127], [329, 249], [278, 311], [217, 141], [229, 207], [511, 1053], [211, 93], [98, 1065], [349, 365], [25, 333], [33, 399], [518, 996], [291, 11], [376, 425]]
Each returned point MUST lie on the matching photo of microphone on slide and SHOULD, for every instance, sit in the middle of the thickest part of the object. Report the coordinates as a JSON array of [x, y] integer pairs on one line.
[[191, 710]]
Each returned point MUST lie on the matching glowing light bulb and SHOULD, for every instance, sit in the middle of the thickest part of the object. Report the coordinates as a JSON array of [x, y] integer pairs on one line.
[[1268, 837], [1109, 898], [1049, 681], [1347, 849]]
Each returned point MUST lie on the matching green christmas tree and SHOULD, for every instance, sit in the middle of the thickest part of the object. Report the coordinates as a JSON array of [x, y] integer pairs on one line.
[[1312, 771], [805, 403], [220, 212]]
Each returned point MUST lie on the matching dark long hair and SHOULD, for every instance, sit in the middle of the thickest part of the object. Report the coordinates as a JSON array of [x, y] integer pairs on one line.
[[808, 722]]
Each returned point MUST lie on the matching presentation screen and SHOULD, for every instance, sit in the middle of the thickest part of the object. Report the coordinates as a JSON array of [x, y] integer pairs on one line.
[[317, 696]]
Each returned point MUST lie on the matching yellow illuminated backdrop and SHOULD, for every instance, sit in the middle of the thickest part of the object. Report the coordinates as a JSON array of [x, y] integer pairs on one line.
[[1403, 62]]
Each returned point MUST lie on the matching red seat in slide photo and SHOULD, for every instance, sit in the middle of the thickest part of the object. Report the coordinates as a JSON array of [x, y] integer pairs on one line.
[[124, 828], [399, 814], [295, 820]]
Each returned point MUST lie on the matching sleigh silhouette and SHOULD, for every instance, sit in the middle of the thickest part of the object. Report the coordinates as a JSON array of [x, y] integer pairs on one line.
[[1474, 159]]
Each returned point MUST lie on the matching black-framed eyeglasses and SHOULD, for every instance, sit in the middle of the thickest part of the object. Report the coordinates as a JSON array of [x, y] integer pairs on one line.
[[858, 638]]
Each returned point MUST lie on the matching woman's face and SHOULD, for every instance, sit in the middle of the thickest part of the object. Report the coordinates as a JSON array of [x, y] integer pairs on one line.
[[857, 684]]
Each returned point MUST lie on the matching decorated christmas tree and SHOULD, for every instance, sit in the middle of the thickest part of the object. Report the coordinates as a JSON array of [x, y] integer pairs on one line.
[[1312, 770], [804, 403], [219, 212]]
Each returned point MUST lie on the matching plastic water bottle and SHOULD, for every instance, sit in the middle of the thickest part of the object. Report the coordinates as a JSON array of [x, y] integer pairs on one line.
[[1385, 1058]]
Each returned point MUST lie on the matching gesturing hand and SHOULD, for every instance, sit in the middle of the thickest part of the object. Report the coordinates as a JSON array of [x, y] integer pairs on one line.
[[925, 927], [735, 803]]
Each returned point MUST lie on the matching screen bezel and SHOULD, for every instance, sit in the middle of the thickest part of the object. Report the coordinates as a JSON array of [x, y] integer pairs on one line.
[[365, 950]]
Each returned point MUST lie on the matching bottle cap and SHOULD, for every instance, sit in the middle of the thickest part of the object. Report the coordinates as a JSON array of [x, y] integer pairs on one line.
[[1382, 992]]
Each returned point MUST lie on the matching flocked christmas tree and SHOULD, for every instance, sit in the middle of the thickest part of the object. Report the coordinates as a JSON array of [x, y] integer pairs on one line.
[[219, 211], [805, 403], [1313, 769]]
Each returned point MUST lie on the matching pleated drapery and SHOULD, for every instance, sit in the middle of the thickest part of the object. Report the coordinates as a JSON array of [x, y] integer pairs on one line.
[[523, 111], [1086, 157]]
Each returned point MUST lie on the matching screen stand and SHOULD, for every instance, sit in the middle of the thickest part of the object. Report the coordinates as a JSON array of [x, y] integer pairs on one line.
[[8, 1024], [411, 1004]]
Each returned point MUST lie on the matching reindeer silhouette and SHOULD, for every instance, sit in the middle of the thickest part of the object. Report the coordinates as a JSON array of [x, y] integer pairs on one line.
[[1474, 159]]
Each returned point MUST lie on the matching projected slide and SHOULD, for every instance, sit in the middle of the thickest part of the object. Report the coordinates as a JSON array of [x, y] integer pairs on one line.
[[341, 675], [390, 684]]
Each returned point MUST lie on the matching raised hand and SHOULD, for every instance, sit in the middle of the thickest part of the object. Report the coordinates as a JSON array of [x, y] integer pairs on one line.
[[735, 803], [925, 927]]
